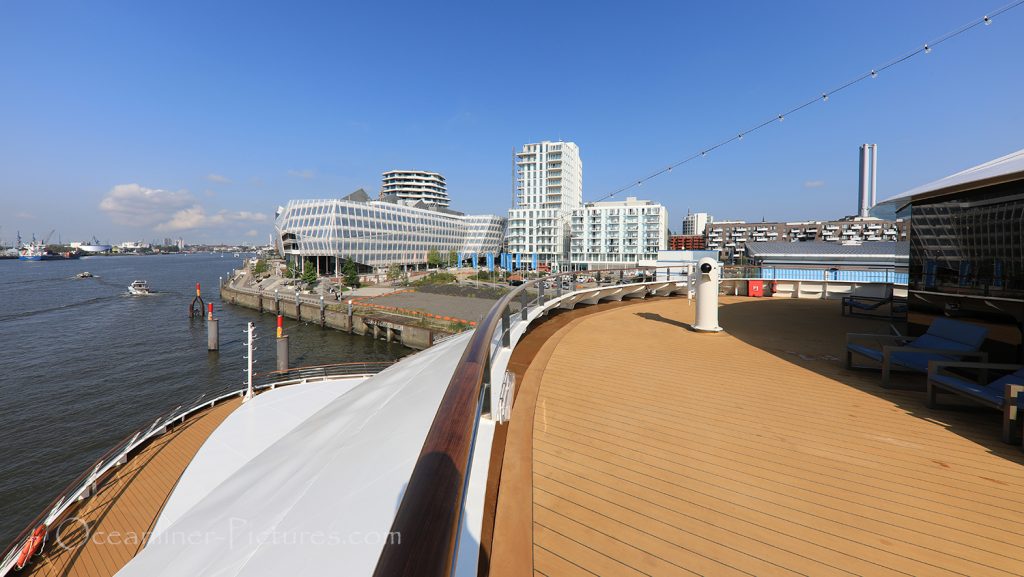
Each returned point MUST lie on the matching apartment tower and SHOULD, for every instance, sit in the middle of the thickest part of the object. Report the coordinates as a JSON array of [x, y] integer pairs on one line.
[[549, 186]]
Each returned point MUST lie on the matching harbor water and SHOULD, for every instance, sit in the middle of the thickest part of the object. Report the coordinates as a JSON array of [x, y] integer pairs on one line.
[[87, 365]]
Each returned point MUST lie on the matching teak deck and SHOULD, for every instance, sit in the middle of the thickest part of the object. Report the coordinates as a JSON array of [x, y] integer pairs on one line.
[[639, 447], [108, 529]]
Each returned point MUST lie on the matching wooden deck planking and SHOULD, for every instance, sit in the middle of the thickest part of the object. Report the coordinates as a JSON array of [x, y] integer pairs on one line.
[[861, 511], [769, 465], [122, 513], [750, 452]]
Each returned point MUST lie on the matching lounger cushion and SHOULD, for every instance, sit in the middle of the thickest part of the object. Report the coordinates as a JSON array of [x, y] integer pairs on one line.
[[944, 334], [919, 361], [990, 393], [969, 334], [1014, 378]]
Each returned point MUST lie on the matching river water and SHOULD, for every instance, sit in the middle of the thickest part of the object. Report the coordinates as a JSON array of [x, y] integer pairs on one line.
[[86, 365]]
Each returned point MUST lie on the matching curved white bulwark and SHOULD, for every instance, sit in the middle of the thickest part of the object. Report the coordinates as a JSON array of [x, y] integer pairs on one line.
[[284, 489]]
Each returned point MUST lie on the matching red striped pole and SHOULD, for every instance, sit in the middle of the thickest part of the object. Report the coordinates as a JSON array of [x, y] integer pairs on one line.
[[209, 315], [280, 324], [197, 289]]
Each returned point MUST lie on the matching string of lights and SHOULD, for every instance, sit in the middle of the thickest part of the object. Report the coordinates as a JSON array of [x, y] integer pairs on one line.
[[926, 48]]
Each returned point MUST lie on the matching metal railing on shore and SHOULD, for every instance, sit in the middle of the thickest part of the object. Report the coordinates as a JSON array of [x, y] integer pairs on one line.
[[87, 483]]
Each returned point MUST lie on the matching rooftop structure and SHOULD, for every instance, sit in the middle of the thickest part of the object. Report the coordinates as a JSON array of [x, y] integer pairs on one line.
[[412, 186], [880, 254], [1003, 170]]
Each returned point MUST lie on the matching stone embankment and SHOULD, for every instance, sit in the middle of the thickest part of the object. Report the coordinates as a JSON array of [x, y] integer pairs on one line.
[[378, 322]]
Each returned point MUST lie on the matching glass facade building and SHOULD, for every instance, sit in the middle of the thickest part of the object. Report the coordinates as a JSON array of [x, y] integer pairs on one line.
[[377, 234], [967, 253]]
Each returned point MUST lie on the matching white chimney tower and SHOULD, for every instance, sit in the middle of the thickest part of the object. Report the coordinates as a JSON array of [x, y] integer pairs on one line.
[[866, 194]]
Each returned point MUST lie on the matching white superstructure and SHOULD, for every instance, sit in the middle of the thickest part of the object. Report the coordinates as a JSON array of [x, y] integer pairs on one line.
[[549, 186], [618, 233], [412, 186]]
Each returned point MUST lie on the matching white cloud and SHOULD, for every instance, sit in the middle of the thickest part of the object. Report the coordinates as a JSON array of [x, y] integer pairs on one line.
[[247, 216], [218, 178], [252, 232], [137, 205], [169, 211], [814, 183], [195, 217], [305, 174]]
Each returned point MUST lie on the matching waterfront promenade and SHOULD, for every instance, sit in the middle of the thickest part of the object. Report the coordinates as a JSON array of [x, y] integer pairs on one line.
[[639, 447]]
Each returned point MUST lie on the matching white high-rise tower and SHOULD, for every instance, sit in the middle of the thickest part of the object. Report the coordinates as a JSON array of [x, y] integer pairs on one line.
[[549, 186]]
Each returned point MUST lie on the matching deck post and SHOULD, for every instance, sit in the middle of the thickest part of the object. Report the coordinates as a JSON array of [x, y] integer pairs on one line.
[[506, 328], [522, 304]]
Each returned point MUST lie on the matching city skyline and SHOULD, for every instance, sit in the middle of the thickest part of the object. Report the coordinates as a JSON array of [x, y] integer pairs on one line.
[[115, 134]]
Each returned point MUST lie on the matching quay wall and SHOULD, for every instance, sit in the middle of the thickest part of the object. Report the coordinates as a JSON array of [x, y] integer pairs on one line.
[[334, 317]]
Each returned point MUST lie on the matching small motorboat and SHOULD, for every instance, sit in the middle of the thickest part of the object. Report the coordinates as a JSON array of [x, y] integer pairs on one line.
[[139, 287], [85, 274]]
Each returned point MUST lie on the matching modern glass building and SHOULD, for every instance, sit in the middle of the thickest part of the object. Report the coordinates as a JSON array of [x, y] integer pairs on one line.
[[376, 234], [967, 251]]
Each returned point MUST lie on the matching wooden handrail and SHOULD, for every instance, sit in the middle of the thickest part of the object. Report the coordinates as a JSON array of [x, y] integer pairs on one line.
[[429, 516]]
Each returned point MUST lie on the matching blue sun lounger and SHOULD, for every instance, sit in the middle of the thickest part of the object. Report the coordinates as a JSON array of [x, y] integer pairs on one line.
[[1004, 394], [945, 340]]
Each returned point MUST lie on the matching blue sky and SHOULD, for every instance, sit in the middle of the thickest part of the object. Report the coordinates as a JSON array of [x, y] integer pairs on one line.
[[142, 120]]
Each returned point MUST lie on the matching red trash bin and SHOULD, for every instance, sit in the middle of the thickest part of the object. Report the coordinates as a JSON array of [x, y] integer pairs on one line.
[[755, 288]]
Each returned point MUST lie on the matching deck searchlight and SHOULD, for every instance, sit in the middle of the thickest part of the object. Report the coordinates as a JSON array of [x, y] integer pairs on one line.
[[707, 296]]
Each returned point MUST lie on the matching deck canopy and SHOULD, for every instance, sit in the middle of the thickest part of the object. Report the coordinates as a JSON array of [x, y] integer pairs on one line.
[[1005, 169]]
